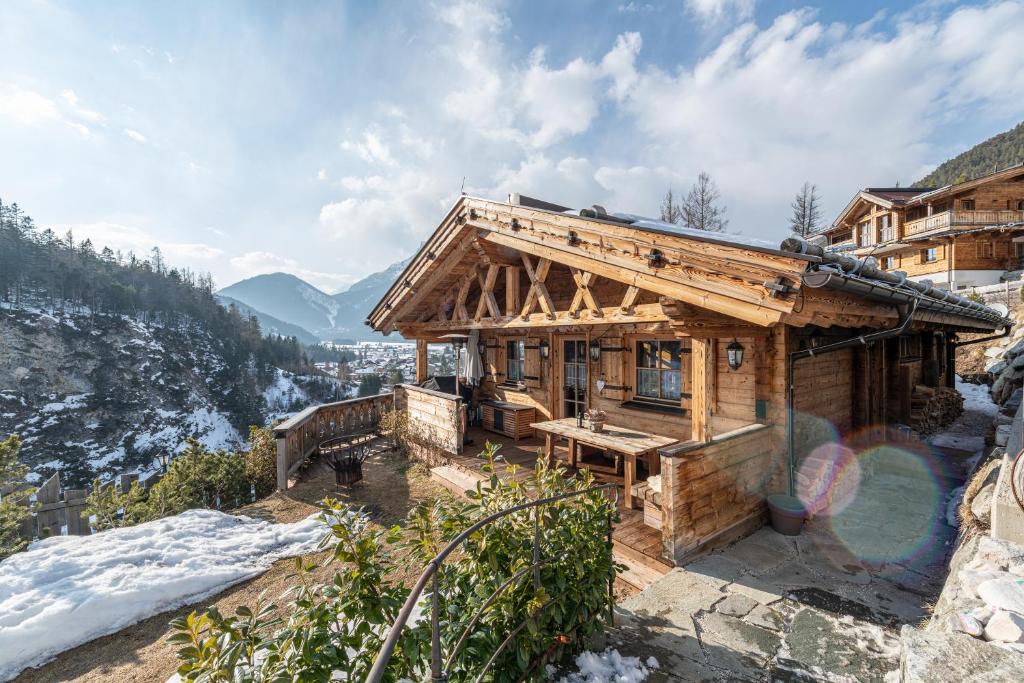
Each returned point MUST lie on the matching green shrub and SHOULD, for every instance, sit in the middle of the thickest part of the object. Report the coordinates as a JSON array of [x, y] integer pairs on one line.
[[198, 478], [113, 508], [261, 461], [338, 627], [12, 513]]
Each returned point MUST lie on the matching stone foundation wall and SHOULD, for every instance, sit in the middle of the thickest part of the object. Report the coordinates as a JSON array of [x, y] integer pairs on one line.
[[716, 491]]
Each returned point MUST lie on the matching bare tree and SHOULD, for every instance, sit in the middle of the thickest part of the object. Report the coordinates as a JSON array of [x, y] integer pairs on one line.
[[670, 210], [806, 211], [700, 209]]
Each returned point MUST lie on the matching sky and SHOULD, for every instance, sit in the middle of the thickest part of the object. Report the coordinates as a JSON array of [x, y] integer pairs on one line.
[[328, 139]]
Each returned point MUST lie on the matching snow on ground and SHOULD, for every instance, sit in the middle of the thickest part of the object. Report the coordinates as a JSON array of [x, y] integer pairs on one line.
[[609, 667], [976, 397], [282, 393], [68, 590]]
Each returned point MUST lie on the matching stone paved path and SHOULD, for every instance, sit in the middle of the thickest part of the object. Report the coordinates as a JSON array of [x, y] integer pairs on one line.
[[824, 606]]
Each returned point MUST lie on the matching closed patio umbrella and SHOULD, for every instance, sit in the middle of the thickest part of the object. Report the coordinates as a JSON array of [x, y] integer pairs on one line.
[[474, 363]]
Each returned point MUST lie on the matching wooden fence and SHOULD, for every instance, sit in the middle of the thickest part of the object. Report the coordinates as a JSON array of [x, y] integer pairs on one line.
[[58, 511], [434, 417], [299, 436]]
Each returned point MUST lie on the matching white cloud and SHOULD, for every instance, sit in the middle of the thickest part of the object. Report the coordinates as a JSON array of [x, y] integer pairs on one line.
[[321, 174], [25, 107], [125, 238], [716, 11], [370, 148], [135, 135]]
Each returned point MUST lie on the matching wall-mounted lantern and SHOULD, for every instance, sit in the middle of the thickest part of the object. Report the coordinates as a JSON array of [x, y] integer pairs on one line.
[[595, 350], [481, 348], [545, 350], [734, 354]]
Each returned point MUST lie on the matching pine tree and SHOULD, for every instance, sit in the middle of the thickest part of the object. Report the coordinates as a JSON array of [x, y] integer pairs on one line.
[[700, 209], [806, 211], [670, 210]]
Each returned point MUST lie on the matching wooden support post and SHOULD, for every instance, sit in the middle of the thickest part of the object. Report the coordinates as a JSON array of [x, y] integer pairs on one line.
[[421, 361], [512, 303], [703, 359], [487, 300], [629, 298]]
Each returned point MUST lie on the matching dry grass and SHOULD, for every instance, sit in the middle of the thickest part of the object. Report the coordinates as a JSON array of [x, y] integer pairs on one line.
[[139, 653], [969, 524]]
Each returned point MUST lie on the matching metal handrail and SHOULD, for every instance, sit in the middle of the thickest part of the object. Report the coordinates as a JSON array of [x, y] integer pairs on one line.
[[430, 573]]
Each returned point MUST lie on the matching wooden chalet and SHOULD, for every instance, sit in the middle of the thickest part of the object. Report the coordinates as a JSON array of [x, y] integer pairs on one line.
[[964, 235], [700, 348]]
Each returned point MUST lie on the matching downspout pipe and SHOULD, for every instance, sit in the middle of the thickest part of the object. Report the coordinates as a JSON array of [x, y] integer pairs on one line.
[[906, 317]]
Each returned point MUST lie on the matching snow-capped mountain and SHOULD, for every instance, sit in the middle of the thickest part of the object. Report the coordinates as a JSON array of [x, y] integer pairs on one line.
[[296, 302]]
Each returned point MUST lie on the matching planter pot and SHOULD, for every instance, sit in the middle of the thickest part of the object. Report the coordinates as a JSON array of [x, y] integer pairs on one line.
[[596, 426], [787, 514], [348, 475]]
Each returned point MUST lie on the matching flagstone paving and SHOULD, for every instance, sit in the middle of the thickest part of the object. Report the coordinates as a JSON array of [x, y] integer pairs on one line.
[[824, 606]]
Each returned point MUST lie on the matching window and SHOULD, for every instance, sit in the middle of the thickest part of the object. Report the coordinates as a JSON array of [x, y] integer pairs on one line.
[[515, 361], [866, 235], [885, 228], [888, 263], [1020, 204], [844, 236], [910, 347], [967, 204], [659, 370], [986, 250], [930, 255]]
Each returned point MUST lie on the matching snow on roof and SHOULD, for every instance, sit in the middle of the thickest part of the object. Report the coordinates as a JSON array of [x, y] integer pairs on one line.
[[645, 223]]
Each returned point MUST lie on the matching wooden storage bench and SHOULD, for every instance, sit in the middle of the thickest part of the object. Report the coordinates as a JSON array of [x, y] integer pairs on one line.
[[510, 419]]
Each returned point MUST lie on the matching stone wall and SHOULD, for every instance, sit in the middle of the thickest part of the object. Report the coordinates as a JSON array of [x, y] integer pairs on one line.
[[716, 491]]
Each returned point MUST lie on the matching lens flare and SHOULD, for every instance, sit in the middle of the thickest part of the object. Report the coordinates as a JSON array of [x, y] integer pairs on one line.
[[828, 478]]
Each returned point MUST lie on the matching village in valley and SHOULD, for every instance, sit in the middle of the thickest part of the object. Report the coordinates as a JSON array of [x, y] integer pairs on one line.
[[562, 343]]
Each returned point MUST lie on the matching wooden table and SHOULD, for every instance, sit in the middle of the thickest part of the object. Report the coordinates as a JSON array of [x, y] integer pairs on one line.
[[631, 443]]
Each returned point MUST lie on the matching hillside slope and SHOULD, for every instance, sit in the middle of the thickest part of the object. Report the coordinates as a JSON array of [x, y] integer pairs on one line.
[[100, 395], [994, 154], [268, 323]]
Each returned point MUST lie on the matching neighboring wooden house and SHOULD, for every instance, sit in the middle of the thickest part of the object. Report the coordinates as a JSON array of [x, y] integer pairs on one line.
[[963, 235], [638, 318]]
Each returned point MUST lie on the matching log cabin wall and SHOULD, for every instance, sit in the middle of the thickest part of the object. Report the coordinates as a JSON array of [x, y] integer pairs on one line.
[[716, 491]]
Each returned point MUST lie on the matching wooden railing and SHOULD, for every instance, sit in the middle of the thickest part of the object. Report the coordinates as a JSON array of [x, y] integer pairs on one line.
[[949, 219], [298, 436]]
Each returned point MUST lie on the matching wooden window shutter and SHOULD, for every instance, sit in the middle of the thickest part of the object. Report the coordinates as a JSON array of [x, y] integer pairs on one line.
[[613, 367], [501, 363], [491, 360], [531, 364]]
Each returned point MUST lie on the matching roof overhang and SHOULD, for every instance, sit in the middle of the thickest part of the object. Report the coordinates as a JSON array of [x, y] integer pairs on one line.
[[712, 272]]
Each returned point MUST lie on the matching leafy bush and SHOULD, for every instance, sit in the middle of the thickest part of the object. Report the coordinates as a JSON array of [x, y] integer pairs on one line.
[[113, 508], [394, 424], [12, 513], [338, 628]]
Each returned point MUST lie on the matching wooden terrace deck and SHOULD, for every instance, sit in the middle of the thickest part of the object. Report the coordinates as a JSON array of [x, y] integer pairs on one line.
[[636, 545]]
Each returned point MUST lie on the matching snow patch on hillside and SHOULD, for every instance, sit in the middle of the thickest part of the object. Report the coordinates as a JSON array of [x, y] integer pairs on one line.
[[68, 590], [282, 394]]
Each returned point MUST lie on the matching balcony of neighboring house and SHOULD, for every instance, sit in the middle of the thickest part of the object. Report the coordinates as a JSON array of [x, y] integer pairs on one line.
[[961, 219]]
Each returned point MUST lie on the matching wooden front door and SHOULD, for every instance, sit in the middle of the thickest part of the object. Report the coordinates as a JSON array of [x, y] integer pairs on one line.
[[574, 377]]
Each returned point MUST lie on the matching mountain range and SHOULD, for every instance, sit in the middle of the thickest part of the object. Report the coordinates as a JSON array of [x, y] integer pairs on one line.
[[288, 305]]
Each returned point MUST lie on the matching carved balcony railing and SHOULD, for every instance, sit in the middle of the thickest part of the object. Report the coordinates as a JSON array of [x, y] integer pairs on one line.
[[299, 436], [962, 219]]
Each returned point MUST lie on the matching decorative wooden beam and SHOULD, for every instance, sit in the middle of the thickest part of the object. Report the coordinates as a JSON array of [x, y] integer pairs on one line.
[[629, 298], [765, 313], [611, 315], [538, 290], [460, 312], [583, 293], [487, 299]]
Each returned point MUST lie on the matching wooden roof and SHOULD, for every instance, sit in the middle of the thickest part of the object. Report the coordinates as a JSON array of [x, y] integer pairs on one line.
[[710, 284], [930, 196]]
